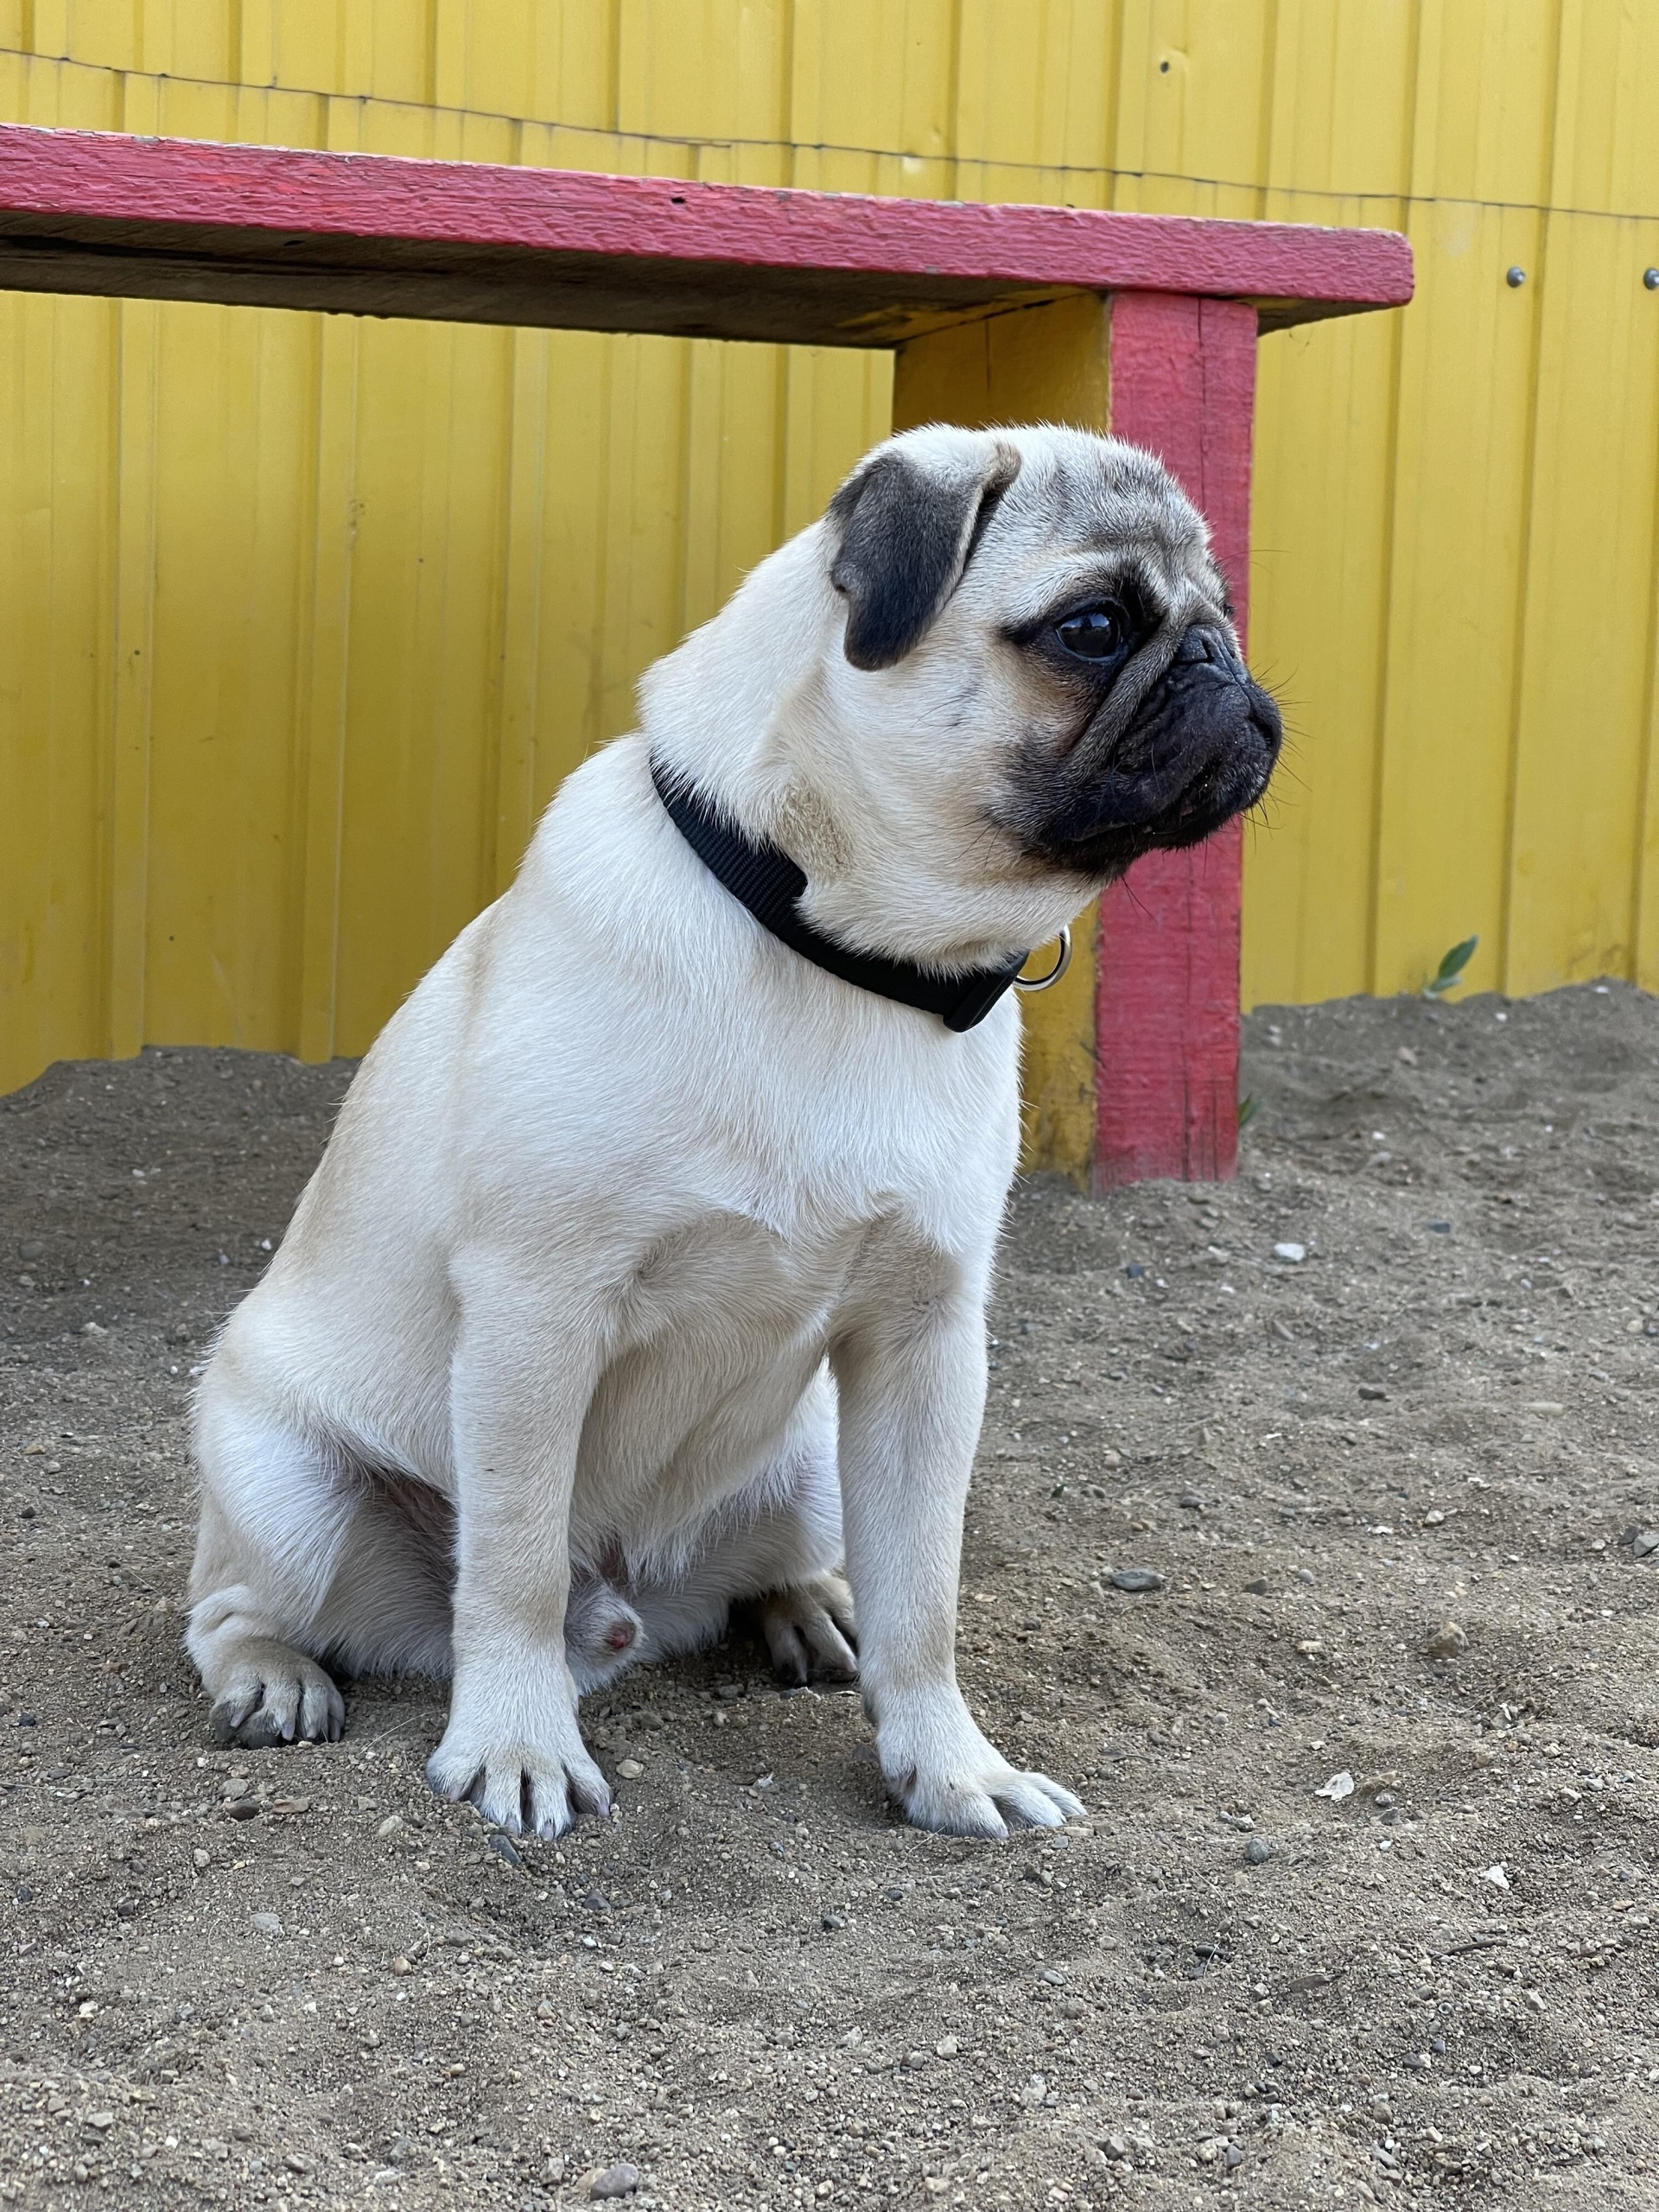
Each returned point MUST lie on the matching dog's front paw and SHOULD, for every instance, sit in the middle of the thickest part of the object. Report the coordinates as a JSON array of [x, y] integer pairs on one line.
[[520, 1758], [948, 1776], [809, 1630]]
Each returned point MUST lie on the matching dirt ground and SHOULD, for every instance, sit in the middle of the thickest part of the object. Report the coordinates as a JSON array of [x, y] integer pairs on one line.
[[1362, 1910]]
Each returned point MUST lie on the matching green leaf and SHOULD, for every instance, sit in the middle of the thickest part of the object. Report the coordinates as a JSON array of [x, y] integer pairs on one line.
[[1451, 966], [1246, 1111]]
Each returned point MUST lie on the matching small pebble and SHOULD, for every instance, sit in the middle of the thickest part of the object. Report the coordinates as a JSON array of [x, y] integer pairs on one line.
[[1135, 1579], [1645, 1542], [946, 2047], [1294, 1253], [1449, 1641], [1259, 1588], [630, 1769], [1257, 1851], [834, 1920], [100, 2120], [728, 1693], [31, 1248], [503, 1847], [267, 1923], [298, 2162], [390, 1826], [620, 2180], [1383, 1800], [201, 1859], [1373, 1393]]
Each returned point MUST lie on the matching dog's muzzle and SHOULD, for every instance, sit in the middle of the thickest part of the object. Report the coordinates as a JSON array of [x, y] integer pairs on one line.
[[1199, 749]]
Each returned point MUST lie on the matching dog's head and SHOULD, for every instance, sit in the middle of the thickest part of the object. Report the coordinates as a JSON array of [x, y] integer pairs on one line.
[[1097, 619], [999, 671]]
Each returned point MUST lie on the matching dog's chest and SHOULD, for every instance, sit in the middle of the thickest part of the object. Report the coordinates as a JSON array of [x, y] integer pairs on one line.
[[730, 1287], [719, 1333]]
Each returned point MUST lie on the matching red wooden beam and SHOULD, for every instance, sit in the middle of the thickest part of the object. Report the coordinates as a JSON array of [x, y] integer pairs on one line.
[[365, 233], [1183, 384]]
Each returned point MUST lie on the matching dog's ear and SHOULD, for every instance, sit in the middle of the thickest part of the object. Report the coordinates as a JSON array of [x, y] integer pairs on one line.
[[907, 524]]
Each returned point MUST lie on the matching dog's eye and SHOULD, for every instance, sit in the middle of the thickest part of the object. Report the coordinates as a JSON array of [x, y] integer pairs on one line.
[[1094, 632]]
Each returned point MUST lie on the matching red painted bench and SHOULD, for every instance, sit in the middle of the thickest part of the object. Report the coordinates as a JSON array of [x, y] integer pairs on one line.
[[1146, 324]]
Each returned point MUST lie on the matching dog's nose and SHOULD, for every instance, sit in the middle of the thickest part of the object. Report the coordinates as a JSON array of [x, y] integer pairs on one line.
[[1201, 647], [621, 1635]]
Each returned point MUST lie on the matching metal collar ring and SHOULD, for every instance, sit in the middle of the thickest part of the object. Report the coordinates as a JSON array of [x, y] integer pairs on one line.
[[1048, 983]]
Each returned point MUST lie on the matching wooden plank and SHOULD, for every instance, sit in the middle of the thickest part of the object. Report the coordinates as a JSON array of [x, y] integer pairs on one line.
[[430, 496], [324, 680], [234, 402], [1583, 694], [1183, 383], [175, 218], [57, 574], [1336, 121], [127, 902], [522, 564]]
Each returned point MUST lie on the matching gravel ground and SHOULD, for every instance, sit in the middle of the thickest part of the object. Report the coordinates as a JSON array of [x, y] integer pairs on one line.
[[1363, 1908]]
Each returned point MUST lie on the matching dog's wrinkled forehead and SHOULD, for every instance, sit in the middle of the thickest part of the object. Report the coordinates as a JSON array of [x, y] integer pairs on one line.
[[1101, 504]]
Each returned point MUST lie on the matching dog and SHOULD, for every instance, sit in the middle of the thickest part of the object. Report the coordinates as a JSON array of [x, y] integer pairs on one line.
[[645, 1269]]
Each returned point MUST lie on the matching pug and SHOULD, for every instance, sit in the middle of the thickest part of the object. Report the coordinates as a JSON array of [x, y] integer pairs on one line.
[[651, 1248]]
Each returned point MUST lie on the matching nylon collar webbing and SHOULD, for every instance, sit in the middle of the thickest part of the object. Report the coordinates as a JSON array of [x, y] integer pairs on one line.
[[769, 884]]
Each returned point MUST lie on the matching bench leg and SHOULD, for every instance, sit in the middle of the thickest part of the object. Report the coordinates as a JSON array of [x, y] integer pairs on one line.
[[1132, 1064]]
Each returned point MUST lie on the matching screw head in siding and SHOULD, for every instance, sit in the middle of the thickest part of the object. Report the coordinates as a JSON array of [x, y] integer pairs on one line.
[[1514, 279], [1651, 278]]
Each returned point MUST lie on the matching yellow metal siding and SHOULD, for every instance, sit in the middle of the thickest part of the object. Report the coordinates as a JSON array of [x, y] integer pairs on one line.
[[304, 618]]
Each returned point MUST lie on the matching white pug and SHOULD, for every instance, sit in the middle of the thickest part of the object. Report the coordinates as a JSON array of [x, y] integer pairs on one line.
[[650, 1255]]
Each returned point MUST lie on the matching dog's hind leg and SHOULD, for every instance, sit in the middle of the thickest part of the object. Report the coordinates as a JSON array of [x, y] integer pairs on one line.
[[299, 1556], [810, 1630], [274, 1517], [390, 1603], [803, 1605], [775, 1547]]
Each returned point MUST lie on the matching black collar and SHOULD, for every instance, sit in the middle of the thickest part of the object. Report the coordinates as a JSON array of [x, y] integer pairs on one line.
[[769, 884]]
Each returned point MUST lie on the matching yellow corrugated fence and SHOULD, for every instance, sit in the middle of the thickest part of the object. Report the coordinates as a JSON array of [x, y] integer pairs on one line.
[[304, 618]]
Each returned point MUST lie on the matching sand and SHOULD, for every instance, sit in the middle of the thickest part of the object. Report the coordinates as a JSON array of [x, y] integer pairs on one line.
[[1362, 1909]]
